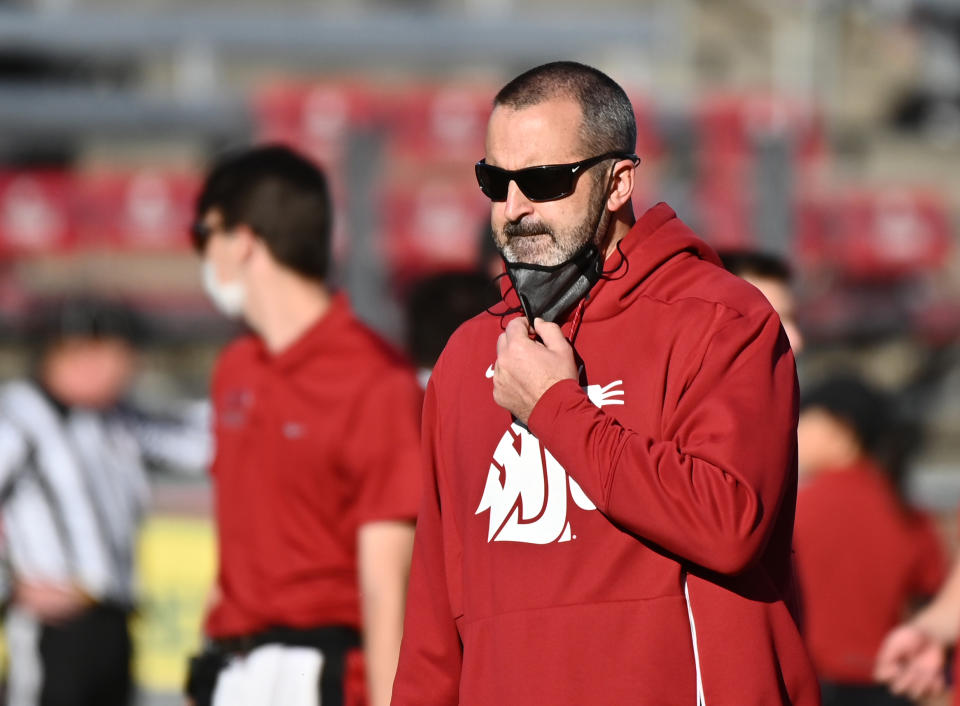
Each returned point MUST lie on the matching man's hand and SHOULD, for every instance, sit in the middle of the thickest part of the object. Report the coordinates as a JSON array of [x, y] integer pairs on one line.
[[50, 602], [910, 662], [525, 369]]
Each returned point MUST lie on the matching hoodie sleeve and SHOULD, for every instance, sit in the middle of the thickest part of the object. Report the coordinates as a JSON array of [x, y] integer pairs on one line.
[[428, 673], [710, 488]]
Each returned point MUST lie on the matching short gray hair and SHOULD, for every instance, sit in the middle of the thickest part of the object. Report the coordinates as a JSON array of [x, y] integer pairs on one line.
[[609, 124]]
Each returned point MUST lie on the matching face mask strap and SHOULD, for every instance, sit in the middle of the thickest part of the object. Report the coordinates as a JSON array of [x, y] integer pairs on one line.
[[507, 311], [624, 262]]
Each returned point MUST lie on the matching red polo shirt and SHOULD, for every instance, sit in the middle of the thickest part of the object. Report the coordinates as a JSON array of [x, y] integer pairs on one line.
[[311, 444]]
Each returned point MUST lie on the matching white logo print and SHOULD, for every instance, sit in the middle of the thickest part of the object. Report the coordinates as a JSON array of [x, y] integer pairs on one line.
[[530, 504], [489, 372], [601, 396]]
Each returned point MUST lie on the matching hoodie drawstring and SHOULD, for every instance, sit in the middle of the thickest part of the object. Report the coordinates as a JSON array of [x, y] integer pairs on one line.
[[577, 319]]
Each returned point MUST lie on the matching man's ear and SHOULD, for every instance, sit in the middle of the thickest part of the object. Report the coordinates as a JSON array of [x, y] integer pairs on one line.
[[621, 184], [246, 241]]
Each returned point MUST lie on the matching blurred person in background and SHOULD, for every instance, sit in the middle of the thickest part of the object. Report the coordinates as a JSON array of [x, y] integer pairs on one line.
[[772, 276], [864, 558], [610, 455], [489, 259], [73, 491], [913, 658], [436, 306], [316, 475]]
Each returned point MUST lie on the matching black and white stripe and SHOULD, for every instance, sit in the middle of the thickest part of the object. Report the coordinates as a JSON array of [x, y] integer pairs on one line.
[[73, 487]]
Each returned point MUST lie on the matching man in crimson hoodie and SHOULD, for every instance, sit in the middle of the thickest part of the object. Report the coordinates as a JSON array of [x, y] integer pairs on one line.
[[611, 460]]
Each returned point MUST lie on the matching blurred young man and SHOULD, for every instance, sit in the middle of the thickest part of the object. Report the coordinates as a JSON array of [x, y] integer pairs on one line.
[[317, 469], [609, 506], [73, 490], [863, 556], [772, 277], [436, 306]]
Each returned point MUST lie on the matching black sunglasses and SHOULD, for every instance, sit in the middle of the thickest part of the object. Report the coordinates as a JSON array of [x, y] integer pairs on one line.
[[200, 233], [543, 183]]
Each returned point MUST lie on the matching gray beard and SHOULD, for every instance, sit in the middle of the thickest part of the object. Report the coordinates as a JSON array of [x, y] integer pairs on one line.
[[535, 243]]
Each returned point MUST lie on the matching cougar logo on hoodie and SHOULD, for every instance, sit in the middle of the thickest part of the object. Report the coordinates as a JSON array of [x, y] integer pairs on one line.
[[530, 504]]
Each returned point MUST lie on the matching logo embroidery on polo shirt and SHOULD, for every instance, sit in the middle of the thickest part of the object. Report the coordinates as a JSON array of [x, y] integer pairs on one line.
[[234, 407], [527, 489], [294, 430]]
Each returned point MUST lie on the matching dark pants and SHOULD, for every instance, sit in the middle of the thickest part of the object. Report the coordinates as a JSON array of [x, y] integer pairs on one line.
[[859, 695], [86, 660]]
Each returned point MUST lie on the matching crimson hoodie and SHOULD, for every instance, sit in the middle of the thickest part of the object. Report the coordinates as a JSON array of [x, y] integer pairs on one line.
[[632, 546]]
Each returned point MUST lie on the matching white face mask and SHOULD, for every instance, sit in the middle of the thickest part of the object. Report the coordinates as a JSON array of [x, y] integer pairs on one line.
[[228, 298]]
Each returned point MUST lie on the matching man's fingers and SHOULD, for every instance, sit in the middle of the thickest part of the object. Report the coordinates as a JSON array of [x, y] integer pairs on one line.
[[886, 671], [517, 328], [899, 649], [917, 686], [501, 343], [917, 680], [551, 334], [927, 687], [902, 682]]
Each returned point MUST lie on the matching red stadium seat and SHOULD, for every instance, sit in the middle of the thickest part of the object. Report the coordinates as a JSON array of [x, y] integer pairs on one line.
[[145, 210], [891, 233], [812, 241], [315, 118], [36, 212], [730, 125], [432, 225], [881, 234], [437, 123], [724, 214]]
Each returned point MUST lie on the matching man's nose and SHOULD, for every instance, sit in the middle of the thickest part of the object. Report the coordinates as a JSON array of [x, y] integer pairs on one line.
[[517, 205]]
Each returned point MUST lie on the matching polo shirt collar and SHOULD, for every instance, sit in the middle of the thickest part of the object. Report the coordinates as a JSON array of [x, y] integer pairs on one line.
[[320, 336]]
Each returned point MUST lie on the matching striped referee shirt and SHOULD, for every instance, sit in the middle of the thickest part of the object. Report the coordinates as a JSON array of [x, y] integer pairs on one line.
[[73, 486]]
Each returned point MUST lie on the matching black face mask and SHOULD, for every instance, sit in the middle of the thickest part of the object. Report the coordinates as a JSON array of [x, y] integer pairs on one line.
[[548, 291]]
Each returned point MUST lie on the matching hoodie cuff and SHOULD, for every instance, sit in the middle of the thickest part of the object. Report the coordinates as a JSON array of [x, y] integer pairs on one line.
[[566, 422], [558, 397]]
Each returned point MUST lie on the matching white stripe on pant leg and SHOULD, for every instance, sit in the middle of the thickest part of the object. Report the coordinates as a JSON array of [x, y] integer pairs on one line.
[[271, 675], [701, 700], [26, 666]]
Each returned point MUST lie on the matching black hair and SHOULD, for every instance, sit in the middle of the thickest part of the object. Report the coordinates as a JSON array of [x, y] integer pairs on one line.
[[84, 317], [859, 405], [608, 125], [875, 417], [752, 263], [438, 304], [281, 196]]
